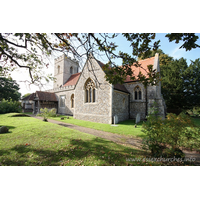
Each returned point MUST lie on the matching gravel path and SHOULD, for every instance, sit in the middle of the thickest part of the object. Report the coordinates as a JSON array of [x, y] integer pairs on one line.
[[120, 139]]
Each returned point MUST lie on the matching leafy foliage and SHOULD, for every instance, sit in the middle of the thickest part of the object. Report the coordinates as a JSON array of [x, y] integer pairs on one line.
[[27, 50], [189, 39], [9, 89], [165, 137], [192, 84], [8, 106], [173, 83], [45, 113], [179, 81]]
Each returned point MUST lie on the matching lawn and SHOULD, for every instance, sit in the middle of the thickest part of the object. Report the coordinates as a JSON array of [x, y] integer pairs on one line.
[[32, 142], [123, 128]]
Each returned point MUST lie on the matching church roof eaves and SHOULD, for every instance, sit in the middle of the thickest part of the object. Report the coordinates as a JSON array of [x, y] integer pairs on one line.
[[46, 96], [121, 87], [29, 97]]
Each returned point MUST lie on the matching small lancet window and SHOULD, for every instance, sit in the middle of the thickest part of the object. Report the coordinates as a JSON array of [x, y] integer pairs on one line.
[[138, 93], [58, 69], [72, 101]]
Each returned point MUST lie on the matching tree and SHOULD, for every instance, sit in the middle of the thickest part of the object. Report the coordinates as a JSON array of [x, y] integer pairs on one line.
[[192, 84], [173, 83], [27, 50], [9, 89]]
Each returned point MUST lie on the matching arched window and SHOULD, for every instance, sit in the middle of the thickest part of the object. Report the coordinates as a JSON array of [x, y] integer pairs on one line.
[[71, 70], [138, 93], [90, 91], [72, 101], [58, 69]]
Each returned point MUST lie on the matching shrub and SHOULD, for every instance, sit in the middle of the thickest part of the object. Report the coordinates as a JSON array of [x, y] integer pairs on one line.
[[45, 113], [52, 112], [165, 137], [8, 106]]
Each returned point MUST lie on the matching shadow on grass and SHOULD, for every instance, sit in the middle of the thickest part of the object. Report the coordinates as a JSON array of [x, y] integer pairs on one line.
[[9, 128], [78, 152], [19, 115]]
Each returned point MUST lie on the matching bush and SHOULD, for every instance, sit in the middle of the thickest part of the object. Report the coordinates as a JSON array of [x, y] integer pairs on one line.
[[52, 112], [165, 137], [45, 113], [8, 106]]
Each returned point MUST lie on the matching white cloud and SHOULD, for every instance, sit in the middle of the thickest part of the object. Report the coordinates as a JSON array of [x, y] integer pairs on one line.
[[177, 53]]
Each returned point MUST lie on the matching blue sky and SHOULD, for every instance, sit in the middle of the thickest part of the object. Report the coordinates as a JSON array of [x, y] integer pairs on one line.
[[170, 48]]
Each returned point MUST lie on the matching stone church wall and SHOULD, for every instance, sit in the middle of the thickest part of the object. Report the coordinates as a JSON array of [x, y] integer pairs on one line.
[[67, 110], [100, 110], [120, 105], [136, 106]]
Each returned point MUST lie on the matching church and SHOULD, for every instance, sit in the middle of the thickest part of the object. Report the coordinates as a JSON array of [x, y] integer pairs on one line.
[[86, 95]]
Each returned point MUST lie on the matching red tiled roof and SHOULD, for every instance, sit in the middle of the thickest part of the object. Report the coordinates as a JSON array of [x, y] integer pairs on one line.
[[46, 96], [144, 64], [72, 79]]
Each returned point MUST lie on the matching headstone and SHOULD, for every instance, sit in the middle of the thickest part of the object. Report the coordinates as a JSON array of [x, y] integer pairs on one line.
[[137, 120], [3, 129], [115, 119]]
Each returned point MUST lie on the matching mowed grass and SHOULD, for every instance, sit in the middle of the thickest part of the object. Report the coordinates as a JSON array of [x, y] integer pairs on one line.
[[32, 142], [123, 128]]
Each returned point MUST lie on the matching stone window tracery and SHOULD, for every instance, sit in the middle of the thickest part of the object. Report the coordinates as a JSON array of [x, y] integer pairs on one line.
[[138, 93], [90, 91]]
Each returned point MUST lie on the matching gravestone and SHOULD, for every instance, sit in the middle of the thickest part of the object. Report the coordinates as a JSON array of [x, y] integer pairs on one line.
[[3, 129], [115, 120], [137, 120]]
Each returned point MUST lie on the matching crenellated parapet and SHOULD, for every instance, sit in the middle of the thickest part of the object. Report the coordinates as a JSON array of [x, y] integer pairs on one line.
[[62, 57], [60, 89]]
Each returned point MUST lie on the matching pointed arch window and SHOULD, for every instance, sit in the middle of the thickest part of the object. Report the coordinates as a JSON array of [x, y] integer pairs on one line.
[[138, 93], [90, 91], [72, 101]]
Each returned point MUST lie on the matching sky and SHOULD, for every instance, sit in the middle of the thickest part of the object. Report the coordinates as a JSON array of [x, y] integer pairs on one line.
[[170, 48]]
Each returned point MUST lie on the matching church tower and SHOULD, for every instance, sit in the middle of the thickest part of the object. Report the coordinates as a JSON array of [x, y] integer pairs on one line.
[[64, 67]]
